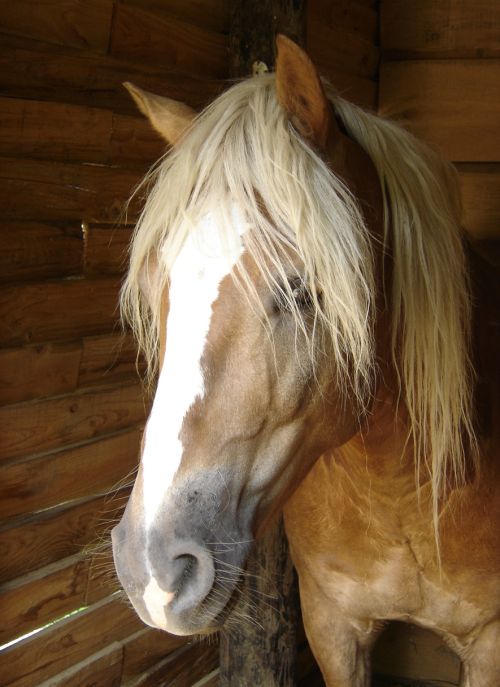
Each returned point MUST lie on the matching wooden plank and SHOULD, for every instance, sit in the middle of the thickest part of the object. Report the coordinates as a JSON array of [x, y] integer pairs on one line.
[[38, 426], [44, 538], [208, 14], [82, 24], [65, 132], [83, 79], [54, 131], [106, 249], [107, 358], [145, 648], [67, 642], [181, 669], [42, 311], [411, 652], [134, 140], [346, 15], [42, 190], [32, 601], [32, 250], [481, 199], [102, 669], [35, 189], [356, 89], [141, 36], [440, 28], [210, 680], [454, 105], [40, 370], [52, 369], [341, 49]]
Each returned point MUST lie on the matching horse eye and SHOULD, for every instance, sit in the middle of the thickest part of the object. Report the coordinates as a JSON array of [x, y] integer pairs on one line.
[[300, 295]]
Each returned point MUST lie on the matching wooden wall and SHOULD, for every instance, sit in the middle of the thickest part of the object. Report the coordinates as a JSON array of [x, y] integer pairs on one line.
[[440, 73], [72, 148], [342, 40]]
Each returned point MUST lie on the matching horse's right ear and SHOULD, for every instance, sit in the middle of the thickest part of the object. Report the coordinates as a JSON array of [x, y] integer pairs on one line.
[[170, 118]]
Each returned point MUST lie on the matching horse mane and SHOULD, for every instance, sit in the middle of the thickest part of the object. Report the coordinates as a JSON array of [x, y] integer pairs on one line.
[[241, 153]]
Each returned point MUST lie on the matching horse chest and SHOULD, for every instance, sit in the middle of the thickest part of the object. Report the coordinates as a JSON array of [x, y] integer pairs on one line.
[[372, 557]]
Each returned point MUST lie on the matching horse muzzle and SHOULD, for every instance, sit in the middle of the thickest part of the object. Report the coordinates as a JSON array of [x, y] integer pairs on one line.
[[182, 571]]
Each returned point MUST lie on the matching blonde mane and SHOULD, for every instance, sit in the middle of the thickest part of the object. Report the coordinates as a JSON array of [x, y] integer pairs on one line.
[[241, 152]]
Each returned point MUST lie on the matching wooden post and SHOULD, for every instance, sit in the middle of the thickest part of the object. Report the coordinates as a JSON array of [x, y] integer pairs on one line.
[[253, 30], [262, 651]]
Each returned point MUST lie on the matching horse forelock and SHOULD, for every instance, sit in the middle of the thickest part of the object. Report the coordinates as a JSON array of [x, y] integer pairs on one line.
[[243, 154]]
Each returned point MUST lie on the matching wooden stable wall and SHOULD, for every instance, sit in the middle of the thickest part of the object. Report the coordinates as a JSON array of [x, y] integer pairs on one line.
[[440, 74], [342, 40], [72, 148]]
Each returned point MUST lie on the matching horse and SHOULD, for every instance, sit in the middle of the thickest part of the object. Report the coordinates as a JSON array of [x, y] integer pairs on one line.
[[325, 345]]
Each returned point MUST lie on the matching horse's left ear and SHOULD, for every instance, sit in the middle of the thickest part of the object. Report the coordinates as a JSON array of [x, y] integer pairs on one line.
[[300, 93], [170, 118]]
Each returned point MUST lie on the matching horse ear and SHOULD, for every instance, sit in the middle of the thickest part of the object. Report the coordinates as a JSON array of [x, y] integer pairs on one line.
[[170, 118], [300, 93]]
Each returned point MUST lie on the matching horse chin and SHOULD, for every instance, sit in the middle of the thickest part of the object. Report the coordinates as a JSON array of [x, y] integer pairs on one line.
[[206, 618]]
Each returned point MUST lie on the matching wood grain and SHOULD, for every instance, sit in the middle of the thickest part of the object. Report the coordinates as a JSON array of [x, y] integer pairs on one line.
[[480, 186], [82, 24], [56, 310], [264, 652], [45, 538], [49, 480], [208, 14], [108, 358], [341, 50], [106, 249], [145, 37], [75, 133], [102, 669], [356, 18], [41, 370], [182, 668], [42, 190], [32, 601], [440, 28], [67, 642], [54, 131], [32, 250], [454, 105], [38, 426], [134, 141], [145, 648], [51, 369], [85, 79]]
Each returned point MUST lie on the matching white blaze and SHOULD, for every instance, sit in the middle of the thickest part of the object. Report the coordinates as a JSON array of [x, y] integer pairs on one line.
[[156, 599], [195, 278]]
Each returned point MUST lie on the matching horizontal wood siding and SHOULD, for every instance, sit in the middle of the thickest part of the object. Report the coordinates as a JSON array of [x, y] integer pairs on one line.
[[73, 148], [440, 76], [342, 40]]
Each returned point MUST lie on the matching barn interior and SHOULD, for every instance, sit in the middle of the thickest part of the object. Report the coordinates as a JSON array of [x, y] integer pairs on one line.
[[73, 148]]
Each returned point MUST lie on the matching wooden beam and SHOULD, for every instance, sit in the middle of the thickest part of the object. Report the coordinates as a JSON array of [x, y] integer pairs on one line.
[[49, 424], [253, 30], [67, 642], [263, 650]]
